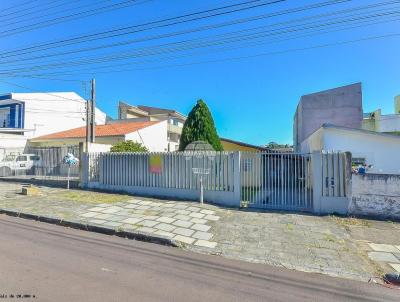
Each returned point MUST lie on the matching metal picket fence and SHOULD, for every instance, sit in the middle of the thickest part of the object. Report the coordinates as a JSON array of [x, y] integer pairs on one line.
[[177, 170]]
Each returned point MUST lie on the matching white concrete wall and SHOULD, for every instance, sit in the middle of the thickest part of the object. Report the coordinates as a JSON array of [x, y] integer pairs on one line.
[[376, 195], [389, 123], [382, 152], [11, 143], [313, 142], [154, 137], [54, 112]]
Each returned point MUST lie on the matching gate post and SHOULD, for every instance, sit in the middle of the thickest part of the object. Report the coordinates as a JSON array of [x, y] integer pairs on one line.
[[316, 162], [84, 171], [237, 186]]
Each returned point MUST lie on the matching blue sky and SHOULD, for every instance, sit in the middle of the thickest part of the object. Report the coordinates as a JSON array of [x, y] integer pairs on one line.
[[252, 99]]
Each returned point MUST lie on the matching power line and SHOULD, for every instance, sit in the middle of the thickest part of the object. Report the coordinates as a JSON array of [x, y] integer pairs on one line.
[[186, 45], [202, 28], [177, 20], [41, 10], [70, 17], [17, 6], [37, 91], [27, 9], [257, 55]]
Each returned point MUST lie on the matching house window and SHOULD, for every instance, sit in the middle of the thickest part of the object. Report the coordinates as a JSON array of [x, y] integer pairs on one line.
[[22, 158], [355, 161]]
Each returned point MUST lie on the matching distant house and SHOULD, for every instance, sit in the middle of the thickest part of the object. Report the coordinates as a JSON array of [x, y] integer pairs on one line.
[[28, 115], [152, 134], [232, 145], [174, 119], [340, 106], [385, 123], [379, 150]]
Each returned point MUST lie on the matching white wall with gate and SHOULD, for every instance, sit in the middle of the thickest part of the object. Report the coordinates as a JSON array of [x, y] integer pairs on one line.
[[316, 182]]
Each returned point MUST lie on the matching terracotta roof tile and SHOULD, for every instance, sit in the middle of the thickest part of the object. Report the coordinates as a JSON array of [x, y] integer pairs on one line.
[[101, 130]]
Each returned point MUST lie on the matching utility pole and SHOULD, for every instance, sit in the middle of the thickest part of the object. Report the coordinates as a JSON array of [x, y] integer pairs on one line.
[[88, 118], [93, 112]]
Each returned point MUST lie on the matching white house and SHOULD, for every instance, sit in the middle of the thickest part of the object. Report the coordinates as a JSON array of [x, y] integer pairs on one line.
[[175, 119], [380, 150], [151, 134], [28, 115]]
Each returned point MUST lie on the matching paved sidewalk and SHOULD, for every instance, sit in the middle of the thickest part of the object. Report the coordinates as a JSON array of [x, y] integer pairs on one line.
[[329, 245]]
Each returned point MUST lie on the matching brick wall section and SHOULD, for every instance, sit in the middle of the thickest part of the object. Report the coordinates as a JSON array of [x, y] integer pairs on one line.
[[376, 195]]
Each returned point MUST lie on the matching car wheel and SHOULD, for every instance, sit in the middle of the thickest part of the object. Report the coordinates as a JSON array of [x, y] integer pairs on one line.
[[5, 171]]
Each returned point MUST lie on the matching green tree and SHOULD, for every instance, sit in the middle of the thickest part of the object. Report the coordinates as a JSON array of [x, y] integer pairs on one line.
[[128, 146], [199, 126]]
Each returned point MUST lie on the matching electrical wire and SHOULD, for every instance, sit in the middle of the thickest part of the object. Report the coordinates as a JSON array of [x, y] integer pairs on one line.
[[112, 33], [186, 45], [62, 19], [198, 29]]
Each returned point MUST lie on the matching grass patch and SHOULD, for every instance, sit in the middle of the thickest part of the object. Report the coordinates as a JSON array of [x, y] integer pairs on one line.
[[90, 197], [290, 226], [348, 222]]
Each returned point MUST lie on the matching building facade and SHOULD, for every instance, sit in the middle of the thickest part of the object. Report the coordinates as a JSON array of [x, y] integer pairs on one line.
[[28, 115], [379, 151], [151, 134], [340, 106], [175, 120], [384, 123]]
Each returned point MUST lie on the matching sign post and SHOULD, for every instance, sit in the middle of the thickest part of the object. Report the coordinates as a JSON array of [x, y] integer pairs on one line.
[[201, 172], [70, 160]]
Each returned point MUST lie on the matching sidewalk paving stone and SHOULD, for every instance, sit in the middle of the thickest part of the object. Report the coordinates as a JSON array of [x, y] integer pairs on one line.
[[202, 235], [384, 248], [132, 220], [149, 223], [183, 232], [383, 256], [165, 219], [207, 212], [165, 227], [112, 224], [212, 217], [198, 220], [200, 227], [182, 223], [205, 243], [197, 215], [146, 229], [90, 214], [182, 217], [184, 239], [396, 266], [164, 234]]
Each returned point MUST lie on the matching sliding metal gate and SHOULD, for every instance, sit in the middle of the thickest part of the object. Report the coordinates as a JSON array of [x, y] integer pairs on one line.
[[276, 181]]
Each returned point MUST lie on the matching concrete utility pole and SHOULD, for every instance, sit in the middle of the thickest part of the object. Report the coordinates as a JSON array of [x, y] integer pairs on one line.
[[93, 112], [88, 129]]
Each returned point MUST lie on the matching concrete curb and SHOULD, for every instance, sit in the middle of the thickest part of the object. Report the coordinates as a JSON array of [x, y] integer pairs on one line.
[[140, 236]]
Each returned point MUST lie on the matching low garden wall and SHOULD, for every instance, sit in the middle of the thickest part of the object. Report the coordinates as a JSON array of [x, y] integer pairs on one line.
[[376, 195]]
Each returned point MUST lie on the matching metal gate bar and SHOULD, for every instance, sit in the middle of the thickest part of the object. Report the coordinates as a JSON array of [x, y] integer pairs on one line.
[[276, 180]]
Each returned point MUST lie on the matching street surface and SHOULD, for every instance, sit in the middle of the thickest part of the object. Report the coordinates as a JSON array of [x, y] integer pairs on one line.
[[61, 264]]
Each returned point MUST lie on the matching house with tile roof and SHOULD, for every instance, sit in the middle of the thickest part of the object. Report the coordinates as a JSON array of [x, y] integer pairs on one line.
[[174, 119], [152, 134], [24, 116]]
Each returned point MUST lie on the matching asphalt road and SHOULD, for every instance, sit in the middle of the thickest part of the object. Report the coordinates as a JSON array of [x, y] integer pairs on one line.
[[61, 264]]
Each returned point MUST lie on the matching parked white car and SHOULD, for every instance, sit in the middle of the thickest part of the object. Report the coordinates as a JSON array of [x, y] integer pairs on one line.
[[19, 164]]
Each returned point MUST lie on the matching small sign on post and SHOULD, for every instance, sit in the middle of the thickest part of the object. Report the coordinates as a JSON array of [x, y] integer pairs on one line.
[[201, 172], [70, 160]]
